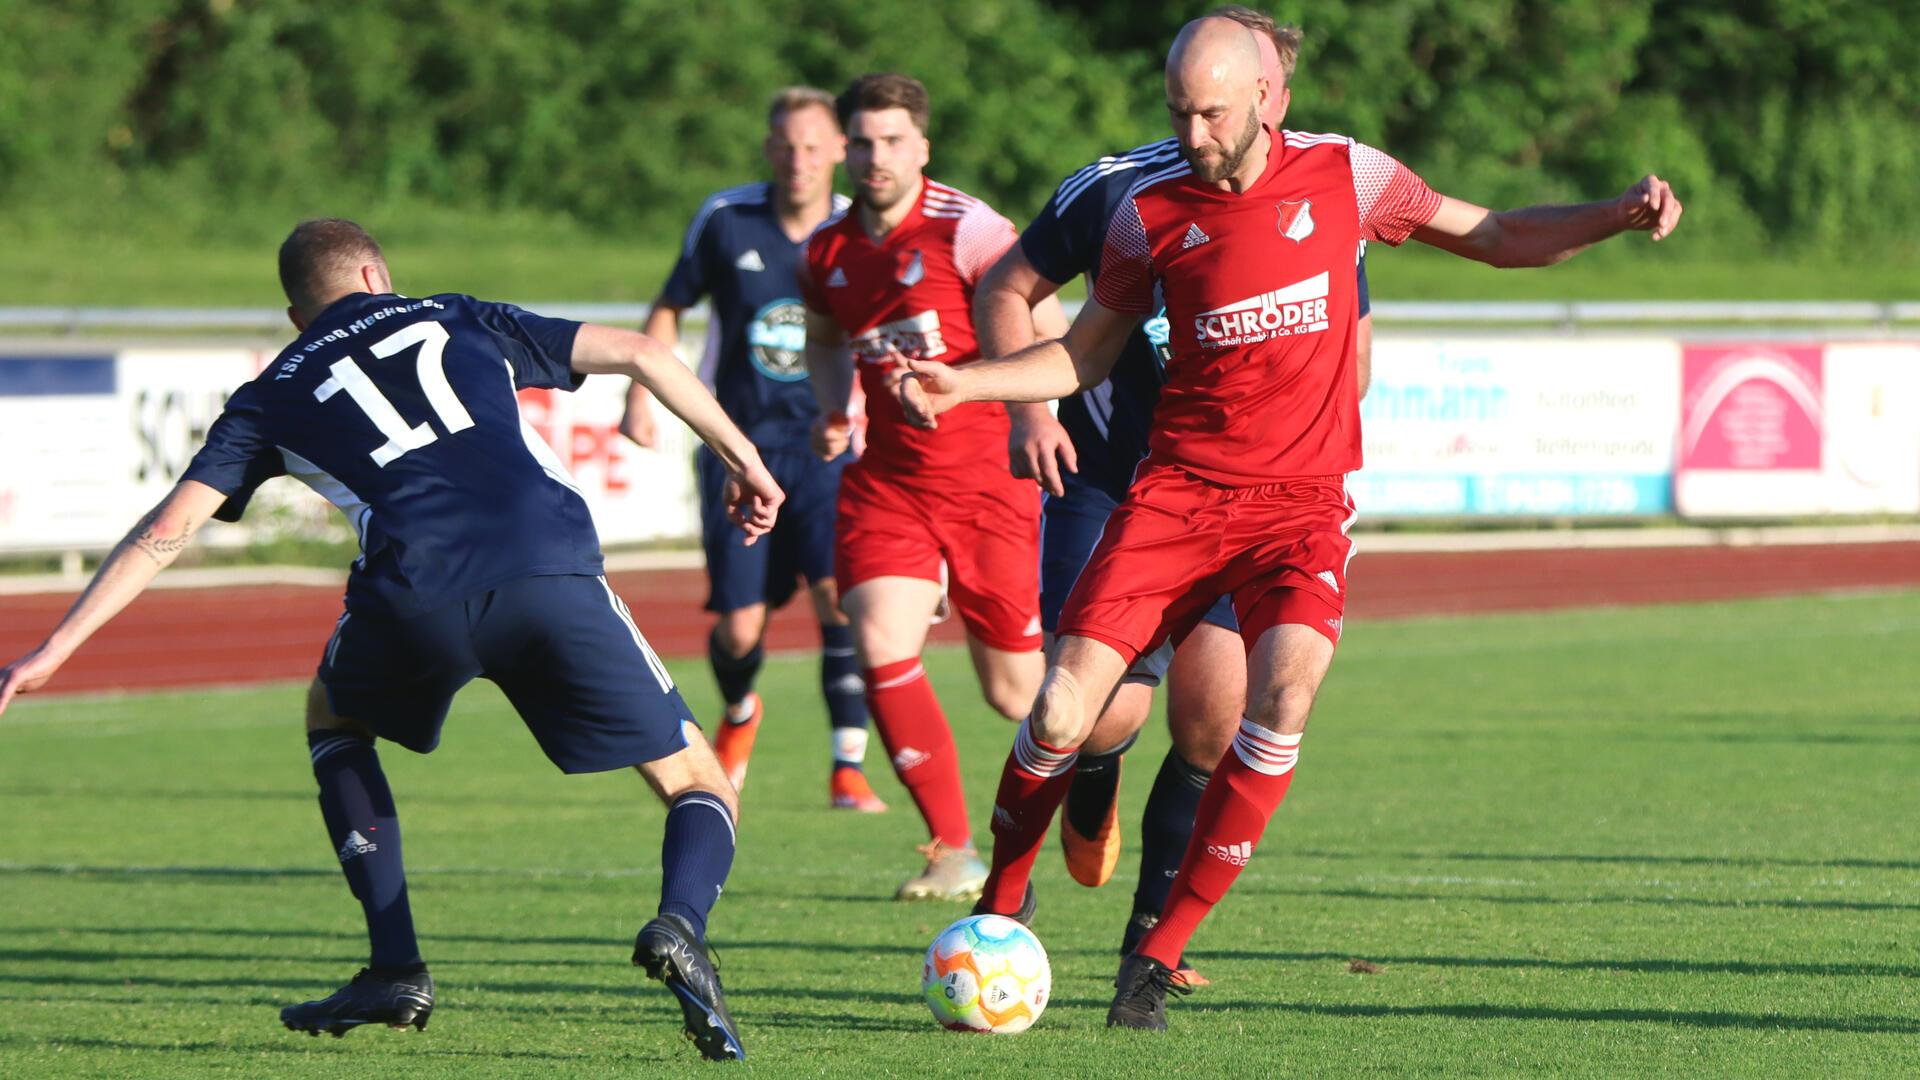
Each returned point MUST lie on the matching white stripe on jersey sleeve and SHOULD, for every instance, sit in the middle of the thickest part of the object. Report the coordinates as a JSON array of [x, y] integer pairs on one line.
[[1303, 139], [1150, 156], [744, 195], [939, 200]]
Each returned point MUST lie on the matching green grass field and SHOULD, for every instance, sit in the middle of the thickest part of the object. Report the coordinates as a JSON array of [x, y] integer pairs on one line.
[[1623, 842]]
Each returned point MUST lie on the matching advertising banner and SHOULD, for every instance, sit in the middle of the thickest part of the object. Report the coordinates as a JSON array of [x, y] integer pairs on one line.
[[89, 442], [1774, 430], [1524, 426]]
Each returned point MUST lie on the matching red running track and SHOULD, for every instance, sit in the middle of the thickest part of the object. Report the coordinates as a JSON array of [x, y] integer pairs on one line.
[[261, 633]]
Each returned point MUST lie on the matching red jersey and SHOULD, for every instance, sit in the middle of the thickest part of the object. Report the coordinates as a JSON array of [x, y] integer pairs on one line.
[[913, 290], [1260, 298]]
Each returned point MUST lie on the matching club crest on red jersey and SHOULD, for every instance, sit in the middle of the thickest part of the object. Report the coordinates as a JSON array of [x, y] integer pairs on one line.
[[911, 271], [1296, 220]]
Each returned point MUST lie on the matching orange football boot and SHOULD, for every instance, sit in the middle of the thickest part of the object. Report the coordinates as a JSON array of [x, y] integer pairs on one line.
[[849, 790]]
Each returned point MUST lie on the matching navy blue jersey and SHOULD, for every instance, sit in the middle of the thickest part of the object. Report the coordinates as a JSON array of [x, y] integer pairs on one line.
[[401, 412], [1109, 424], [736, 253]]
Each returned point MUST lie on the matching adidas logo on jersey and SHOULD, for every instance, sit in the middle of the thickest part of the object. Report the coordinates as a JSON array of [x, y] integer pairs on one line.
[[1232, 854], [355, 844], [908, 758], [1194, 238], [750, 261], [837, 279]]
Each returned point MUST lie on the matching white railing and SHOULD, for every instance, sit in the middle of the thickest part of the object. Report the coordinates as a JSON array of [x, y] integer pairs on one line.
[[1565, 314]]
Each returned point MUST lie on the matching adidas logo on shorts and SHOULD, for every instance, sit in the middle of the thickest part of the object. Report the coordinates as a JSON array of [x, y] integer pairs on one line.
[[1232, 854], [356, 844]]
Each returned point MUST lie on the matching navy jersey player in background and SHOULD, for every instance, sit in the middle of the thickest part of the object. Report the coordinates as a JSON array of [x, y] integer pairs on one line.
[[741, 250], [1086, 460], [478, 559]]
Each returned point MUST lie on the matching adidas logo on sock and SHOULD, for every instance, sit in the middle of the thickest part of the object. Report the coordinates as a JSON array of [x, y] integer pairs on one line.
[[356, 844], [1232, 854], [1194, 238], [1002, 817], [908, 758]]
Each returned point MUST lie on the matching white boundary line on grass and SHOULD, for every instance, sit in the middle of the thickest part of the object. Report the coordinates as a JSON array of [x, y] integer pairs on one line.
[[1368, 544]]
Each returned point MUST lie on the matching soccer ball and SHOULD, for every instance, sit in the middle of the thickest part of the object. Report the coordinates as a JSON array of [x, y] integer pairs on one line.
[[986, 973]]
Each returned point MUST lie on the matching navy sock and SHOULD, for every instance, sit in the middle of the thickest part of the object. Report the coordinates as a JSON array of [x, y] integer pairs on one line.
[[695, 856], [1096, 783], [846, 694], [1165, 828], [735, 674], [365, 832]]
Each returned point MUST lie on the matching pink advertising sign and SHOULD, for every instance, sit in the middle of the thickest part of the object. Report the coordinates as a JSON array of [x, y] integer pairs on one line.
[[1751, 407]]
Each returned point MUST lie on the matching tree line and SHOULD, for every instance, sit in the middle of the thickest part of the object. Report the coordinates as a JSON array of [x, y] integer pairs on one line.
[[1782, 122]]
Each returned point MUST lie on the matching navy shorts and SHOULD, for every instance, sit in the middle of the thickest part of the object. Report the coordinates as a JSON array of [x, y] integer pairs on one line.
[[1070, 526], [563, 648], [800, 546]]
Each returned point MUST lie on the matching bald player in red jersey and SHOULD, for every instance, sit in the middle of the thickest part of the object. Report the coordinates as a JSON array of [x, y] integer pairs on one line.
[[894, 277], [1250, 240]]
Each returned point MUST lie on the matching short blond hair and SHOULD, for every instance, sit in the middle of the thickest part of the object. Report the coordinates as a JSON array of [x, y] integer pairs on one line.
[[794, 98], [1285, 36]]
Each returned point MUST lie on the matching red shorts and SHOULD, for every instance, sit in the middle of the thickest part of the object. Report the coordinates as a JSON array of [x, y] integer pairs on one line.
[[985, 525], [1178, 542]]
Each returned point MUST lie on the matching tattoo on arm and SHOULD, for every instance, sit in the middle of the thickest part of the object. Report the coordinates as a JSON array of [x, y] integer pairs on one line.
[[161, 549]]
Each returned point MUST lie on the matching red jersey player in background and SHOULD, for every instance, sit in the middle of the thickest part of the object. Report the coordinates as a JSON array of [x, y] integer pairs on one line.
[[1250, 241], [895, 277]]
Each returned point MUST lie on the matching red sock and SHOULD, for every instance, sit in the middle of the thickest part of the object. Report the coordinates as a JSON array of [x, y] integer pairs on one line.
[[1032, 784], [920, 743], [1245, 791]]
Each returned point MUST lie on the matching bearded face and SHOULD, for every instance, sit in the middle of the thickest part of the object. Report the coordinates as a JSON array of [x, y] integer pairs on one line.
[[1214, 162]]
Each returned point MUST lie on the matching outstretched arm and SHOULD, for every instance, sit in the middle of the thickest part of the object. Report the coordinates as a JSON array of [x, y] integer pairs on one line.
[[752, 493], [1041, 372], [148, 548], [1544, 235]]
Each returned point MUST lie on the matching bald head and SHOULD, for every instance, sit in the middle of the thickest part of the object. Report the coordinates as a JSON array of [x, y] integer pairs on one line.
[[1216, 95], [1213, 53]]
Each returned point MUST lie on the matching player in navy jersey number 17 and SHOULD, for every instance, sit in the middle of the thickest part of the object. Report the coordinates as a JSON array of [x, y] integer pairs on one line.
[[1085, 460], [478, 558], [1243, 490], [741, 250]]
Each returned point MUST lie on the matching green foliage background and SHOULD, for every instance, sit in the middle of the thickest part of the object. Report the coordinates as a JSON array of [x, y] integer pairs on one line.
[[1789, 125]]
